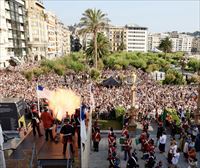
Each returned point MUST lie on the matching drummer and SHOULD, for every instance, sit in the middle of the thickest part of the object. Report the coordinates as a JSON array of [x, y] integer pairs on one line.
[[124, 131]]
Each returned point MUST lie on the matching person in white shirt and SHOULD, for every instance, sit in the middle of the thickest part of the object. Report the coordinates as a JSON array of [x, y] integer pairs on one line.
[[175, 158], [162, 142]]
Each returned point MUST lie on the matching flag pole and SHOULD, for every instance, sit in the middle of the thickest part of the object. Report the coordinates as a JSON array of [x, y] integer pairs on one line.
[[38, 100]]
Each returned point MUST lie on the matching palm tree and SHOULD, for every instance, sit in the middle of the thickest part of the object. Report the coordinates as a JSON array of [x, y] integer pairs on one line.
[[103, 47], [166, 45], [92, 22]]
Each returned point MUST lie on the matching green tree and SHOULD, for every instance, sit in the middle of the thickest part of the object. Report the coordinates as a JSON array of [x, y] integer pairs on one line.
[[166, 45], [174, 77], [92, 22], [194, 64], [121, 47], [103, 46]]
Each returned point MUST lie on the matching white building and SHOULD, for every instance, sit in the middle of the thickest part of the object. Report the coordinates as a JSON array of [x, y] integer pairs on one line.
[[154, 40], [136, 38], [13, 35], [3, 36], [37, 30], [182, 43], [51, 33]]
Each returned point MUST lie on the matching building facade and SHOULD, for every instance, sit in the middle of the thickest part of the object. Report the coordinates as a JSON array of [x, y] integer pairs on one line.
[[182, 42], [136, 38], [66, 40], [196, 45], [51, 20], [3, 36], [154, 40], [117, 38], [37, 30], [13, 31]]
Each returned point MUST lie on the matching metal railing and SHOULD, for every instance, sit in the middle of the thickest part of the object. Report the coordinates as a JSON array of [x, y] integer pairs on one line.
[[33, 156]]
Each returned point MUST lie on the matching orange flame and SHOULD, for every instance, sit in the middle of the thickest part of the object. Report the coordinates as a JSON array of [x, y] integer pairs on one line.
[[62, 101]]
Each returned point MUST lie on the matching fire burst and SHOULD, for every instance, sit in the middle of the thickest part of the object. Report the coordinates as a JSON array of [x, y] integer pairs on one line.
[[62, 101]]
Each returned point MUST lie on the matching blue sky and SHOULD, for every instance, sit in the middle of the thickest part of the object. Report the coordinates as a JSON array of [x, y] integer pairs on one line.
[[158, 16]]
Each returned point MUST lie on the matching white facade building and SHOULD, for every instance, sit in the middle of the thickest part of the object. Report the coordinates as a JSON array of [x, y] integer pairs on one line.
[[136, 38], [13, 35], [182, 43], [154, 40], [3, 36]]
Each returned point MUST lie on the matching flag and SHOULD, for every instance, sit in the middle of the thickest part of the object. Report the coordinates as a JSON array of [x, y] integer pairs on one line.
[[83, 127], [43, 93]]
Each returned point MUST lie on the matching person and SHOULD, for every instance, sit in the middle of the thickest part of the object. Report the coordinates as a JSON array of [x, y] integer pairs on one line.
[[35, 121], [126, 119], [151, 161], [97, 138], [175, 158], [68, 131], [48, 121], [124, 131], [162, 142], [133, 161], [192, 153], [127, 148]]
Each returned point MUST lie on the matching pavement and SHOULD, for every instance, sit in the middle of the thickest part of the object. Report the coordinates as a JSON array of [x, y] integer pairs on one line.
[[99, 159]]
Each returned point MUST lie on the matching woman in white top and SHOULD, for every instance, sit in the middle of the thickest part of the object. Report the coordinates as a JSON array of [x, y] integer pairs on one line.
[[175, 158], [162, 142]]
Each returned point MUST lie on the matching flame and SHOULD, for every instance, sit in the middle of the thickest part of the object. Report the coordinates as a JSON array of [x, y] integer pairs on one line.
[[62, 101]]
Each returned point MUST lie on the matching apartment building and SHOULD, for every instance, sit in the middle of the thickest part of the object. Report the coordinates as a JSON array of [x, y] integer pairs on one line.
[[13, 39], [59, 38], [117, 38], [66, 40], [154, 40], [182, 42], [51, 20], [136, 38], [196, 45], [3, 36], [37, 30]]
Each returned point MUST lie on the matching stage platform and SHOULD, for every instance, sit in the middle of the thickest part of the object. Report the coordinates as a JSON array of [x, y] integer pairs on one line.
[[48, 154]]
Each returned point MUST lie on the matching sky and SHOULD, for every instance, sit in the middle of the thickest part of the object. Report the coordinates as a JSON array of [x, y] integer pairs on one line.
[[157, 15]]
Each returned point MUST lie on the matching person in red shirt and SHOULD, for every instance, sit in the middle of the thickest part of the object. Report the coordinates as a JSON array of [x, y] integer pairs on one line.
[[128, 146], [48, 121], [124, 131], [97, 138]]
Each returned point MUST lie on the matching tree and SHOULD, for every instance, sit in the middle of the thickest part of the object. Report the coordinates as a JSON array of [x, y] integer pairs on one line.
[[103, 46], [194, 64], [92, 22], [166, 45], [121, 47]]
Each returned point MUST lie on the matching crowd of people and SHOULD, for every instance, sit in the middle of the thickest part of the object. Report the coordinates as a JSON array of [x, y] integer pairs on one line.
[[151, 97]]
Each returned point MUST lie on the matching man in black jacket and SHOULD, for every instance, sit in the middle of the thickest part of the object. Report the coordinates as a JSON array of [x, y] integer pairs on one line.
[[68, 132]]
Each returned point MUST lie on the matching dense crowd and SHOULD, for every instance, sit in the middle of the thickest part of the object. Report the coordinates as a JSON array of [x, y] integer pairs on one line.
[[151, 97]]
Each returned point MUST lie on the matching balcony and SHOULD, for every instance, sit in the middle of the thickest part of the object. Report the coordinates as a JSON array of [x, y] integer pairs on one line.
[[21, 20], [11, 54], [21, 28], [9, 25], [10, 45], [10, 35], [22, 37], [8, 16], [7, 6], [23, 45], [24, 52], [20, 11]]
